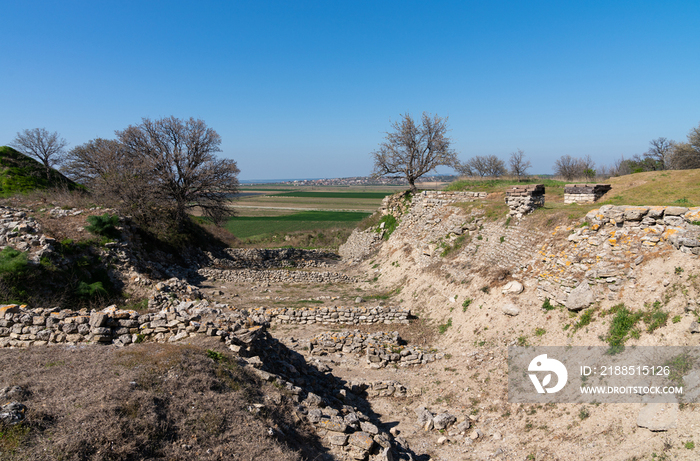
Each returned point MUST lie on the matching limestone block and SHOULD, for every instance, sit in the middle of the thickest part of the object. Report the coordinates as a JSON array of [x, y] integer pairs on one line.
[[580, 297]]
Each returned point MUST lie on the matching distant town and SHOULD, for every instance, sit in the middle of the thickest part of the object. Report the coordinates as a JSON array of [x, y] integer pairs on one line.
[[355, 181]]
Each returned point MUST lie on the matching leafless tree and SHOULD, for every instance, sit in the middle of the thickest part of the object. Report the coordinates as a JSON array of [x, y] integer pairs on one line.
[[116, 178], [180, 155], [487, 165], [48, 148], [411, 150], [659, 151], [567, 166], [686, 155], [159, 167], [518, 164]]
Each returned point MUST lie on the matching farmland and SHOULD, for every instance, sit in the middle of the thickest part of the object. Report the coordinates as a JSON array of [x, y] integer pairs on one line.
[[311, 216]]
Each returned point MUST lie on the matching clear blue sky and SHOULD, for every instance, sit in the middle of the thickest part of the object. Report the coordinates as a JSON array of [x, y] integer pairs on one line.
[[307, 89]]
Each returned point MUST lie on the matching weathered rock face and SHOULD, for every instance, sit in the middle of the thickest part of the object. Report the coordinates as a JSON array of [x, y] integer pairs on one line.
[[580, 297], [510, 309], [658, 417], [359, 244], [513, 288]]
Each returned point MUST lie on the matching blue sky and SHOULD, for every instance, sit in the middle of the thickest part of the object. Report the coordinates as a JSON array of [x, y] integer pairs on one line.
[[307, 89]]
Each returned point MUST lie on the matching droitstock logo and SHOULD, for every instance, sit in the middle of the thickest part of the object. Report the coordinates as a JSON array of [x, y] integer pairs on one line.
[[542, 363]]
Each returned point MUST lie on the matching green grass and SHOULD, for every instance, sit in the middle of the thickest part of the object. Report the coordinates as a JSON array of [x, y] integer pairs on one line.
[[442, 328], [495, 185], [349, 195], [252, 226], [620, 327], [22, 174]]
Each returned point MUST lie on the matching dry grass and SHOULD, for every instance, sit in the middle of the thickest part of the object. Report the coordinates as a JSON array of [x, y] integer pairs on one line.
[[145, 402]]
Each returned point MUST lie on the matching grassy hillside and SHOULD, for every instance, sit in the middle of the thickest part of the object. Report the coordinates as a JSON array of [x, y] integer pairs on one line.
[[22, 174], [670, 187]]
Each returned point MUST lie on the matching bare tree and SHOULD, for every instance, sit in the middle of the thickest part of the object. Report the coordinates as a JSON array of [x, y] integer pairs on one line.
[[686, 155], [180, 156], [567, 166], [518, 164], [658, 152], [159, 167], [587, 167], [411, 150], [487, 165], [116, 178], [46, 147]]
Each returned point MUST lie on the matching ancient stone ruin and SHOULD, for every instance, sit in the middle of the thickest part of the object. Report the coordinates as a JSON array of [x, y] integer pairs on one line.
[[584, 193], [524, 199]]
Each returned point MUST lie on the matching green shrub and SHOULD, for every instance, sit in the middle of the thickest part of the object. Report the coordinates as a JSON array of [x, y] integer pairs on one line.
[[12, 262], [585, 320], [104, 225], [546, 305], [390, 224], [466, 304], [443, 327], [620, 327], [91, 290]]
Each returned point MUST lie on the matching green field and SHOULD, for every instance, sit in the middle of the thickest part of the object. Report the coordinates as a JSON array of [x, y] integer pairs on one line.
[[345, 195], [258, 227]]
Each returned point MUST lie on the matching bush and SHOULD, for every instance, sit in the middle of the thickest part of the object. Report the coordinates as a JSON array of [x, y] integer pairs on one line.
[[12, 262], [546, 305], [104, 225], [390, 224], [91, 290]]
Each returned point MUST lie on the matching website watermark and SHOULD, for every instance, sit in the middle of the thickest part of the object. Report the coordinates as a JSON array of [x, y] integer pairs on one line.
[[596, 374]]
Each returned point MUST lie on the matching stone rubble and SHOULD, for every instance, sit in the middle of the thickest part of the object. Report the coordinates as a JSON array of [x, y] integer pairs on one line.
[[380, 348]]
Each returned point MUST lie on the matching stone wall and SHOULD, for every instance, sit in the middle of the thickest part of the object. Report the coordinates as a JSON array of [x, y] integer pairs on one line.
[[380, 348], [584, 193], [275, 276], [22, 327], [334, 314], [264, 258], [524, 199], [360, 244]]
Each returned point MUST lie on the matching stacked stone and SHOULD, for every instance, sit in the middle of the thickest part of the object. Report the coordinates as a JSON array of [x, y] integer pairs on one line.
[[275, 276], [262, 258], [380, 348], [22, 233], [22, 327], [352, 315], [360, 244], [432, 198], [524, 199], [584, 193]]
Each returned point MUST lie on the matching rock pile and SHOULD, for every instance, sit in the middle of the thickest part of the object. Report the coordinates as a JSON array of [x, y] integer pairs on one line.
[[22, 232], [380, 348], [453, 427]]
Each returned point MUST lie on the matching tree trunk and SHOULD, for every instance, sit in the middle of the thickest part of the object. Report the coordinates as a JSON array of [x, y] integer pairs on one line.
[[412, 184]]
